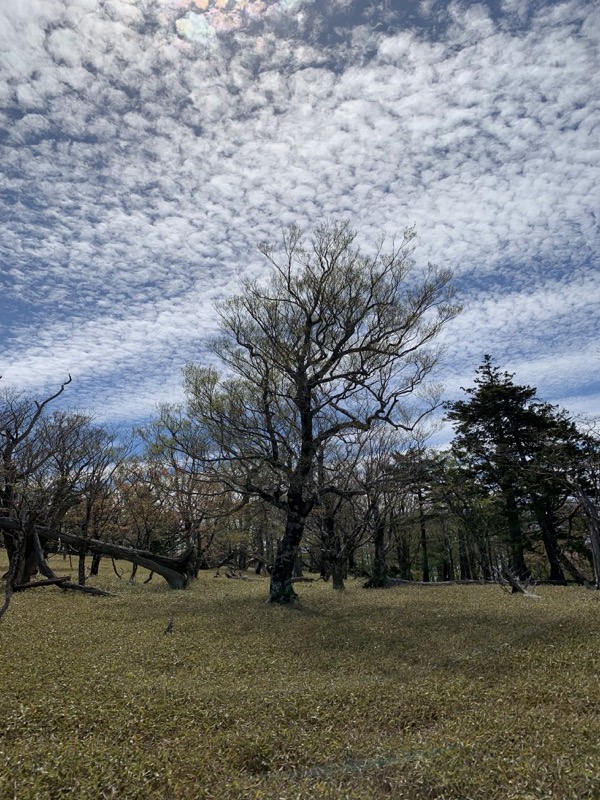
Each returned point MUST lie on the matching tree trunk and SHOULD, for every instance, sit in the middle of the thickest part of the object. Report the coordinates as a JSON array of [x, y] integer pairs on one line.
[[446, 570], [403, 556], [550, 545], [423, 539], [338, 565], [594, 529], [379, 576], [592, 516], [338, 573], [281, 589], [81, 567], [518, 563], [482, 554], [464, 564], [517, 553], [21, 553], [327, 547], [351, 562], [96, 558], [547, 525], [298, 566]]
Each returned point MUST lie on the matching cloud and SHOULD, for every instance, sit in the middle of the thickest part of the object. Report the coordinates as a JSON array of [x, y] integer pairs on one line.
[[139, 175]]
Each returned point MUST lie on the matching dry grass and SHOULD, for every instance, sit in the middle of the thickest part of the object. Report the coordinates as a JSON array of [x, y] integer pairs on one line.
[[449, 692]]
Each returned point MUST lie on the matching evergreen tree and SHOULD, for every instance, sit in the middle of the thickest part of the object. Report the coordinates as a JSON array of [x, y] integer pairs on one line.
[[516, 447]]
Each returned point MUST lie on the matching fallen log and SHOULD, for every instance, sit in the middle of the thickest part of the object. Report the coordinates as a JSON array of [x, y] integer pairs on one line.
[[176, 571], [459, 582]]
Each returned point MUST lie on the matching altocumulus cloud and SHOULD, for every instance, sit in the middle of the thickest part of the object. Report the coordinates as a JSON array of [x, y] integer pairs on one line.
[[147, 147]]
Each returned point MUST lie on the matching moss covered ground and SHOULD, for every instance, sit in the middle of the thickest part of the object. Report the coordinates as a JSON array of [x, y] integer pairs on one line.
[[412, 692]]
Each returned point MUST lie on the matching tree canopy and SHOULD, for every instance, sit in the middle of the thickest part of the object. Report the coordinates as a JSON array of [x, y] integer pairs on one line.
[[335, 342]]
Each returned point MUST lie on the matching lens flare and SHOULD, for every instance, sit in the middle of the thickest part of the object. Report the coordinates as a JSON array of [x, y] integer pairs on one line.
[[204, 20], [196, 29]]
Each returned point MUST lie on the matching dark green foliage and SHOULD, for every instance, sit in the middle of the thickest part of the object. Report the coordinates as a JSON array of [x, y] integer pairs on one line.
[[516, 449]]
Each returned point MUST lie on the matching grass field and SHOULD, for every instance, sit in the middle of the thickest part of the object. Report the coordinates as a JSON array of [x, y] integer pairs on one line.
[[447, 692]]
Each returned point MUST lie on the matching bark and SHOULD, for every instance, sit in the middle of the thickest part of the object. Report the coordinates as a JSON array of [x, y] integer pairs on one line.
[[338, 573], [22, 560], [351, 562], [423, 538], [464, 565], [327, 534], [95, 563], [446, 570], [484, 558], [81, 567], [549, 538], [403, 555], [333, 558], [298, 566], [298, 508], [518, 565], [379, 576], [281, 589], [261, 564], [259, 550], [242, 559], [592, 517]]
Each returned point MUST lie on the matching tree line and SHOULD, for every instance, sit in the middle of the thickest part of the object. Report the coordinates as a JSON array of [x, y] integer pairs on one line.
[[306, 449]]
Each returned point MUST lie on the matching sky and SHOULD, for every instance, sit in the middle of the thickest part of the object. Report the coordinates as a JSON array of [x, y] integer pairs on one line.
[[148, 146]]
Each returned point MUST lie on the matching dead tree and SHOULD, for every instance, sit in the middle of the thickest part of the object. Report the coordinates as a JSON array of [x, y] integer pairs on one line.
[[177, 571], [21, 454]]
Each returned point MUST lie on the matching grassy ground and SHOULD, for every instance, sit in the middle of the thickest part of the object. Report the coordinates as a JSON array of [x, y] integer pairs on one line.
[[448, 692]]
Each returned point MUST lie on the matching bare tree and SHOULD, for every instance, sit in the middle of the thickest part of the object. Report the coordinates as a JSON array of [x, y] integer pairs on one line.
[[22, 452], [336, 342]]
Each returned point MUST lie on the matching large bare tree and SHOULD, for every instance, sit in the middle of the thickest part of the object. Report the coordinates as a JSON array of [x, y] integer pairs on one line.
[[334, 342]]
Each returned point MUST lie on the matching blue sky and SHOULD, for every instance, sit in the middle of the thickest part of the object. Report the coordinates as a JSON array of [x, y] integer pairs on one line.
[[148, 146]]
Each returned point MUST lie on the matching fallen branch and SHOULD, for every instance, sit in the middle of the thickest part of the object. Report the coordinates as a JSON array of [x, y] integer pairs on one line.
[[36, 584], [517, 586], [572, 569], [76, 587], [234, 575]]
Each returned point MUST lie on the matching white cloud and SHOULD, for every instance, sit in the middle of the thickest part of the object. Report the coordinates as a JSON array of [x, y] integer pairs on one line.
[[139, 176]]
